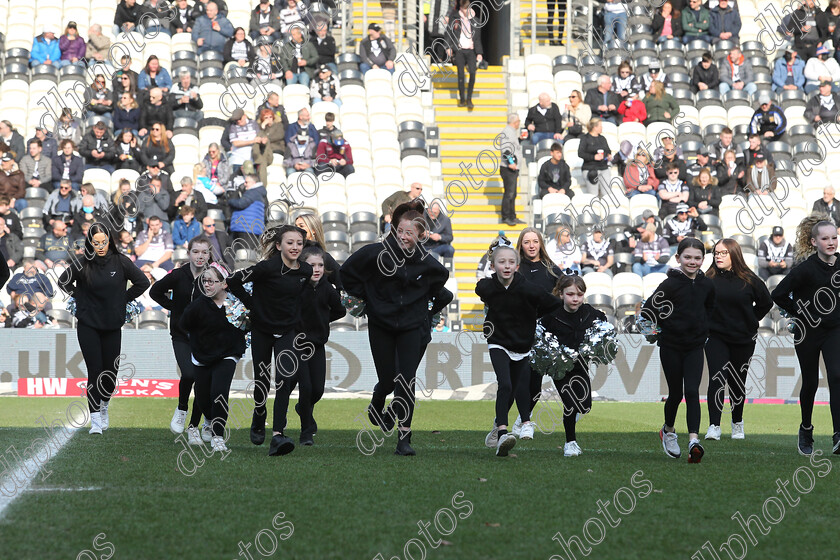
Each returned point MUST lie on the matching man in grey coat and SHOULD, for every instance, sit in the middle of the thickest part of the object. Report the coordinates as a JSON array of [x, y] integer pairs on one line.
[[211, 30], [37, 168], [376, 50], [511, 161]]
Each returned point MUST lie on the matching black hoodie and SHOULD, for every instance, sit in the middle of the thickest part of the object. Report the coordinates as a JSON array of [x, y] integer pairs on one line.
[[681, 307], [396, 287], [804, 281], [212, 337], [739, 306], [330, 265], [512, 312], [185, 288], [320, 306], [101, 300], [539, 274], [569, 328]]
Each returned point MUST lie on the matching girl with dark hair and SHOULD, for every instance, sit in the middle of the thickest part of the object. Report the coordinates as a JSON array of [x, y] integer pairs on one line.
[[803, 294], [397, 280], [184, 284], [741, 301], [681, 307], [279, 282], [311, 224], [97, 281]]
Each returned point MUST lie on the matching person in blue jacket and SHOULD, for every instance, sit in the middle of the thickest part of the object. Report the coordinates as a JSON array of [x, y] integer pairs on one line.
[[725, 22], [768, 121], [212, 30], [185, 227], [248, 218], [788, 71], [45, 49]]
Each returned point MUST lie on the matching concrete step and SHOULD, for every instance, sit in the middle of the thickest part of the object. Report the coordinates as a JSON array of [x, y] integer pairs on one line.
[[445, 98], [485, 227]]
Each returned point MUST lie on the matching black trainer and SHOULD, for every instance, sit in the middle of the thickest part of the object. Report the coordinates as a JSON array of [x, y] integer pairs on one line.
[[404, 444], [258, 429], [281, 445], [836, 443], [695, 451], [806, 440], [306, 439], [384, 421]]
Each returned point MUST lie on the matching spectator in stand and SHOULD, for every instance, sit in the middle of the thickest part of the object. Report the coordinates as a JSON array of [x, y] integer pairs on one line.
[[217, 169], [671, 190], [155, 204], [189, 197], [625, 82], [11, 246], [564, 252], [325, 86], [265, 22], [97, 148], [736, 72], [329, 126], [154, 246], [100, 200], [769, 120], [55, 246], [244, 133], [597, 253], [660, 105], [510, 163], [36, 167], [832, 16], [695, 22], [723, 144], [615, 20], [62, 204], [156, 151], [788, 72], [465, 46], [185, 227], [101, 98], [667, 23], [544, 120], [822, 68], [667, 154], [603, 101], [828, 205], [211, 29], [182, 18], [705, 75], [68, 128], [124, 212], [639, 176], [219, 242], [704, 196], [300, 153], [325, 45], [439, 228], [125, 80], [632, 109], [415, 190], [651, 253], [238, 50], [555, 175], [595, 153], [775, 255], [681, 226], [155, 172], [725, 24], [289, 16], [127, 17], [68, 166], [298, 59], [88, 214], [156, 111], [822, 108], [13, 140], [761, 176], [153, 75], [576, 116], [275, 131], [127, 151], [377, 50], [654, 74], [732, 177], [702, 162], [186, 99], [334, 155], [810, 29], [98, 45], [302, 123], [266, 65], [72, 46], [31, 282], [156, 17], [200, 8], [47, 140], [248, 219], [272, 103], [45, 49], [10, 216], [12, 182]]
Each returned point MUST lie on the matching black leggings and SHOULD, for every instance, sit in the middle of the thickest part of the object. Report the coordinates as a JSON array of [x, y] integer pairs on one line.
[[808, 351], [395, 354], [728, 364], [683, 368], [465, 57], [509, 375], [311, 380], [576, 393], [532, 389], [287, 363], [183, 356], [101, 352], [212, 388]]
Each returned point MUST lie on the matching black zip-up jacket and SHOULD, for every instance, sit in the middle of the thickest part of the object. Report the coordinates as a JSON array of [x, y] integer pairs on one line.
[[396, 287], [124, 14], [804, 280], [588, 148], [710, 77], [320, 306], [569, 328], [275, 303], [212, 337], [101, 300], [739, 306], [552, 121], [681, 307], [332, 267], [538, 273], [512, 313], [185, 288]]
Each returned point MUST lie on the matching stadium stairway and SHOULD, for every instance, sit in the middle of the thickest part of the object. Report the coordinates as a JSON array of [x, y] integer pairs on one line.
[[543, 36], [463, 135]]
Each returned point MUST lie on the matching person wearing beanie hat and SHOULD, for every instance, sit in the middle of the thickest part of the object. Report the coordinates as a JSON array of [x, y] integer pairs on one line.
[[681, 226], [775, 254], [769, 120], [788, 72], [377, 50], [821, 68], [45, 48], [334, 155]]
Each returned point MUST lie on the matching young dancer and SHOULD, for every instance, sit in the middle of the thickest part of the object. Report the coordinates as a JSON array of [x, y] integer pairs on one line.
[[811, 283], [311, 224], [216, 346], [513, 306], [396, 279], [569, 324], [321, 305], [681, 307], [184, 284], [741, 301], [279, 281], [97, 281]]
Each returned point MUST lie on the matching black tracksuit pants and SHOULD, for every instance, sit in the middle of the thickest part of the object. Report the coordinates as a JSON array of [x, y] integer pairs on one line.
[[287, 363], [683, 372], [395, 353], [212, 387], [728, 365], [509, 375], [827, 341], [183, 356], [101, 351]]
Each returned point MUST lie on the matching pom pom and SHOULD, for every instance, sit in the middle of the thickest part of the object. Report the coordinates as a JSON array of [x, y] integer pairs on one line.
[[354, 306], [133, 309], [248, 287], [71, 306], [549, 357], [236, 313], [599, 343], [647, 327]]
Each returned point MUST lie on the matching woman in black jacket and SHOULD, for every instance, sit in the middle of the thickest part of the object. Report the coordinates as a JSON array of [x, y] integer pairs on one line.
[[238, 49], [732, 176], [741, 301], [156, 149], [397, 280], [97, 281], [659, 18]]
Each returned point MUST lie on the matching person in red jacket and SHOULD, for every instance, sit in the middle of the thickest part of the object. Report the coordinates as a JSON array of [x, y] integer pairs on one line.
[[334, 155], [639, 176], [633, 109]]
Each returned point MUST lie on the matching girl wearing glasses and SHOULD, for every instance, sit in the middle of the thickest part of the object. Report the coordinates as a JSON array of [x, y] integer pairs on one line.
[[741, 301], [97, 281], [279, 281]]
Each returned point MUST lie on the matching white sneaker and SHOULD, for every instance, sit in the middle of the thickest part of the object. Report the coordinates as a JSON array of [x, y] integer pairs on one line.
[[218, 444], [506, 443], [95, 423], [737, 430], [669, 443], [492, 439], [176, 426], [206, 432], [104, 421], [194, 436], [527, 431], [572, 449], [714, 432], [517, 427]]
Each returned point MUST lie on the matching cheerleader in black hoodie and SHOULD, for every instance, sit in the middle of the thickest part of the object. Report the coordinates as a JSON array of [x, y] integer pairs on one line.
[[279, 282], [741, 301], [569, 324], [184, 284], [397, 280], [815, 312], [97, 281], [216, 346], [311, 224], [513, 306], [681, 307]]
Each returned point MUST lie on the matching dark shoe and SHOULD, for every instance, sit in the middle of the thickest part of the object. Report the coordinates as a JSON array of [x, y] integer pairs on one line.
[[695, 452], [836, 443], [517, 221], [462, 103], [306, 439], [510, 223], [384, 421], [806, 440], [258, 429], [470, 105], [404, 444], [281, 445]]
